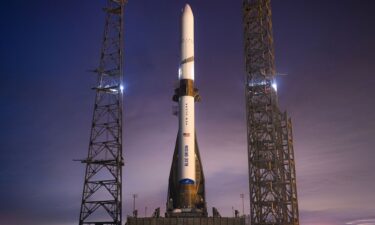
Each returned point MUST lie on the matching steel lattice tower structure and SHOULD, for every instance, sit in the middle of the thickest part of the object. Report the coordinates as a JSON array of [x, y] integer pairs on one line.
[[102, 191], [272, 177]]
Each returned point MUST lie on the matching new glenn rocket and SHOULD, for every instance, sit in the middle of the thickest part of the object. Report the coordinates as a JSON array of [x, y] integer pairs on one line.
[[186, 192]]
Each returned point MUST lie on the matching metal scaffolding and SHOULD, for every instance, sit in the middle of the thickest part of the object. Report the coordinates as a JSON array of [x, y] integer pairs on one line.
[[272, 178], [101, 198]]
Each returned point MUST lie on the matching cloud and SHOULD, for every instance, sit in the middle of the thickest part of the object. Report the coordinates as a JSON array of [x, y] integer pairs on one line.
[[362, 222]]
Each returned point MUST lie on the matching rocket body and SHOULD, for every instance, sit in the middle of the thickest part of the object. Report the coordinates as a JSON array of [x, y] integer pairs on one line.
[[186, 164], [186, 189]]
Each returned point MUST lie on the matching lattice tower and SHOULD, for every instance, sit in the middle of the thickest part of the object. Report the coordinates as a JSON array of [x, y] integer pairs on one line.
[[102, 191], [272, 179]]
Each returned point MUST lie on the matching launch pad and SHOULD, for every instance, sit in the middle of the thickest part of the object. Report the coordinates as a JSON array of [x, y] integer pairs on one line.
[[272, 175], [186, 221]]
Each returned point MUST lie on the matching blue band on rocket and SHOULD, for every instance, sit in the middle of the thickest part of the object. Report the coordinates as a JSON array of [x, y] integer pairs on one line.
[[186, 181]]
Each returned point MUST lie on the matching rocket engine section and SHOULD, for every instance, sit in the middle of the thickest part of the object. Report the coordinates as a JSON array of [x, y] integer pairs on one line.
[[186, 192]]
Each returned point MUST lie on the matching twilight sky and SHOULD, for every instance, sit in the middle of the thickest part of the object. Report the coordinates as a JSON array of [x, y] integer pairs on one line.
[[326, 48]]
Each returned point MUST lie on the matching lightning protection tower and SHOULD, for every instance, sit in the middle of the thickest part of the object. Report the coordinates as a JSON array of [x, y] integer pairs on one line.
[[101, 198], [272, 177]]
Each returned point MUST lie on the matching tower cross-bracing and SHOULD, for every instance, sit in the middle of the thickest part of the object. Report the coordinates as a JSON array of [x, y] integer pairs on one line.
[[102, 194], [272, 177]]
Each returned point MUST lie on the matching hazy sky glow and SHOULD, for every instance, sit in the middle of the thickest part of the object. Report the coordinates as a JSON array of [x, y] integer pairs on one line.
[[326, 48]]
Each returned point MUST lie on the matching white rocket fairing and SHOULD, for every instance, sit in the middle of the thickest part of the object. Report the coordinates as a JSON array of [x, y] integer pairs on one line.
[[186, 70], [186, 152]]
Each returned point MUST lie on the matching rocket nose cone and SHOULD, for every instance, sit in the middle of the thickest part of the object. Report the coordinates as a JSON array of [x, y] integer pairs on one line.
[[187, 10]]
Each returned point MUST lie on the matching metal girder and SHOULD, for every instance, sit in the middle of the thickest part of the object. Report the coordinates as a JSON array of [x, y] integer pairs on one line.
[[102, 191], [272, 179]]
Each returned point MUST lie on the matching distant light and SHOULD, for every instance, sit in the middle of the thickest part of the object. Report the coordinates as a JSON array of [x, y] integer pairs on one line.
[[179, 73], [274, 85], [121, 88], [258, 83]]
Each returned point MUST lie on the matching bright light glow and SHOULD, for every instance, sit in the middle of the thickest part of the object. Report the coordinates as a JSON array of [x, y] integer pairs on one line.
[[179, 73], [121, 88], [259, 83], [274, 85], [267, 83]]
